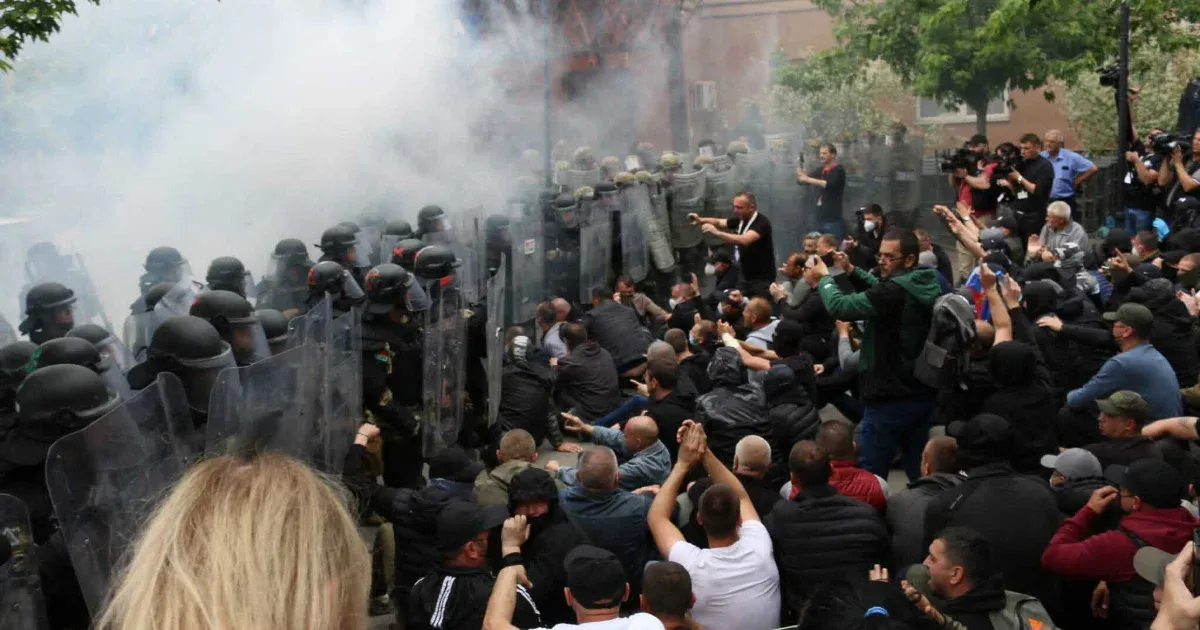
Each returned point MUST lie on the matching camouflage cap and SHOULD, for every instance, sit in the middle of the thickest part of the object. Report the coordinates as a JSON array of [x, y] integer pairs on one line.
[[611, 162], [625, 178], [645, 146], [702, 160], [585, 192], [583, 156], [1132, 315], [1125, 404], [645, 177], [562, 165], [670, 161]]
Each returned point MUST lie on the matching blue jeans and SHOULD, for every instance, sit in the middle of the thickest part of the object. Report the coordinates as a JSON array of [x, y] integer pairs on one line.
[[888, 425], [627, 410], [836, 228], [1136, 220]]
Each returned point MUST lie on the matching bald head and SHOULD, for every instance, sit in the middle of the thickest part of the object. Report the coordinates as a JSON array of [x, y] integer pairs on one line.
[[752, 456], [597, 470], [562, 309], [677, 339], [940, 455], [641, 432], [660, 351], [517, 444], [836, 437]]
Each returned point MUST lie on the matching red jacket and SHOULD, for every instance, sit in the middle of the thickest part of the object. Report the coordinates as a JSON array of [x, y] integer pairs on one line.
[[856, 483], [1075, 553]]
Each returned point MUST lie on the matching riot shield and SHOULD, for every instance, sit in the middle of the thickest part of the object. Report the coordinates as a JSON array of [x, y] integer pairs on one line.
[[788, 223], [528, 268], [577, 179], [444, 374], [595, 254], [719, 197], [496, 309], [468, 245], [751, 170], [139, 330], [658, 230], [689, 189], [634, 221], [179, 299], [105, 479], [22, 606]]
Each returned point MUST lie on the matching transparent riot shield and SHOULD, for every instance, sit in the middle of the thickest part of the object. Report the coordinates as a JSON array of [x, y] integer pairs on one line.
[[658, 230], [577, 179], [104, 480], [22, 606], [496, 308], [788, 223], [751, 170], [179, 299], [139, 330], [528, 268], [689, 189], [718, 200], [595, 254], [444, 374], [635, 218], [333, 353], [468, 245]]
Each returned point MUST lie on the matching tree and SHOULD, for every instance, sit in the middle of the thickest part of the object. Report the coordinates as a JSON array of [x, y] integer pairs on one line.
[[1092, 111], [25, 20], [967, 52]]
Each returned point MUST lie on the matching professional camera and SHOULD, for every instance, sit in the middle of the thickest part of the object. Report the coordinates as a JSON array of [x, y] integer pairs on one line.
[[1110, 75], [961, 158], [1007, 159], [1164, 144]]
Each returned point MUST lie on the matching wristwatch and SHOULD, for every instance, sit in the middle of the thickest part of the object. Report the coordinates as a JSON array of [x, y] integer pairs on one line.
[[1020, 179]]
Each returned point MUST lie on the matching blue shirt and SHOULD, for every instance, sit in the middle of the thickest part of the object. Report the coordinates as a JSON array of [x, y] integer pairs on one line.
[[1067, 166], [1140, 369]]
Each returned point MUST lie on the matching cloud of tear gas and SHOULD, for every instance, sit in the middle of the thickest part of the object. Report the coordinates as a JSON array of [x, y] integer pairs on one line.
[[222, 127]]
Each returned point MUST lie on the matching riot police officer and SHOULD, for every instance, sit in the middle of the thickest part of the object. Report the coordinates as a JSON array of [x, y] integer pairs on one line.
[[405, 253], [285, 287], [192, 349], [562, 246], [49, 312], [13, 358], [275, 327], [331, 278], [44, 263], [393, 233], [233, 317], [163, 265], [433, 225], [105, 343], [341, 244], [399, 228], [392, 372], [81, 352], [227, 273], [434, 266]]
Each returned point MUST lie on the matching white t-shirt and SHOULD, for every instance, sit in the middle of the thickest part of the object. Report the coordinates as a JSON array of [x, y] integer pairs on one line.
[[640, 621], [736, 586]]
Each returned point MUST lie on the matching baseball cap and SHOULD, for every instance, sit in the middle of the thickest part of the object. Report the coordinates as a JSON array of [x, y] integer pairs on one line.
[[1152, 480], [720, 256], [1130, 314], [461, 521], [1151, 564], [1073, 463], [984, 433], [1008, 223], [455, 464], [595, 577], [1127, 404]]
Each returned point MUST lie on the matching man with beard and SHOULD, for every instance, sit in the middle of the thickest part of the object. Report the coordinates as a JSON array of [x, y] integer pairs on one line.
[[533, 494]]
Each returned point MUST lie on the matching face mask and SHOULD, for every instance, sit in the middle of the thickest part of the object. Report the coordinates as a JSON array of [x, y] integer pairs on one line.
[[673, 302], [710, 269], [1169, 272], [692, 340], [1189, 279], [869, 226]]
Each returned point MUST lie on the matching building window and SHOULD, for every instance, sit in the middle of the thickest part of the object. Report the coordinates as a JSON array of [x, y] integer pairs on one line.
[[929, 110]]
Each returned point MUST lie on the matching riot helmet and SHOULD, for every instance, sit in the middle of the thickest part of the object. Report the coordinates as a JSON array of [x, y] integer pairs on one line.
[[350, 225], [275, 327], [81, 352], [55, 401], [227, 273], [13, 358], [233, 317], [164, 264], [106, 344], [190, 348], [435, 261], [341, 243], [387, 288], [405, 252], [566, 210], [49, 310], [431, 219], [496, 232], [330, 277], [399, 228], [291, 252]]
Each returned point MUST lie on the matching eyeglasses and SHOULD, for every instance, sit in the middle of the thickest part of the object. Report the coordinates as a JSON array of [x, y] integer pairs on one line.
[[886, 257]]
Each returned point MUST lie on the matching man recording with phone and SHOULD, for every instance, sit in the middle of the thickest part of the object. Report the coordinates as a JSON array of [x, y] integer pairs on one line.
[[1030, 184]]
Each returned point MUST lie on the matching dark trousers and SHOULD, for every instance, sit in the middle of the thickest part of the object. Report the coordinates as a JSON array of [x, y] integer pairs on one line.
[[886, 426], [1070, 201], [756, 288]]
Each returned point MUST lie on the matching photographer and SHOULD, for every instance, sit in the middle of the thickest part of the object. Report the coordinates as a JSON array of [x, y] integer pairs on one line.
[[1141, 187], [1030, 184], [983, 198], [1186, 179], [971, 177]]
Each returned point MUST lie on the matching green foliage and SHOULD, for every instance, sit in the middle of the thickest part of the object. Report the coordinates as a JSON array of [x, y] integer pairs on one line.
[[25, 20], [1092, 109], [969, 51]]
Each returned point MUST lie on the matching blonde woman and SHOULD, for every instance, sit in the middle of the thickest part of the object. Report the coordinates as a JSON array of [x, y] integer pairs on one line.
[[246, 544]]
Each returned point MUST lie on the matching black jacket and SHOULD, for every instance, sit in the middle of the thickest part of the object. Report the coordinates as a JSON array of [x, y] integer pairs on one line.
[[1040, 171], [1073, 494], [544, 553], [587, 380], [817, 323], [696, 369], [1075, 354], [734, 408], [452, 598], [1017, 513], [793, 417], [683, 316], [763, 497], [1174, 330], [822, 537], [1025, 397], [669, 413], [725, 283], [413, 514], [616, 328], [525, 397], [1123, 451], [906, 516], [974, 608]]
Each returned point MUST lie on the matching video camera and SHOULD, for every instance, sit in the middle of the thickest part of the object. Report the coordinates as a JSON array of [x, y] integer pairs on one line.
[[961, 158], [1110, 75], [1164, 144], [1007, 159]]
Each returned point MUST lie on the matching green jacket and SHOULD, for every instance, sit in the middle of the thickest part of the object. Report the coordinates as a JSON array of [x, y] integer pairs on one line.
[[897, 312]]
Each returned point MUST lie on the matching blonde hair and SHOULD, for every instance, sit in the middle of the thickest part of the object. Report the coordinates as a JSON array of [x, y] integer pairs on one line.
[[258, 544]]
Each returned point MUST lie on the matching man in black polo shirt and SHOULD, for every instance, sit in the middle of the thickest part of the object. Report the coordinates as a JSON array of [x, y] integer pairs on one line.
[[751, 235]]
